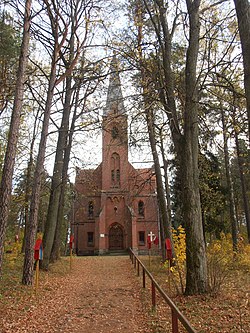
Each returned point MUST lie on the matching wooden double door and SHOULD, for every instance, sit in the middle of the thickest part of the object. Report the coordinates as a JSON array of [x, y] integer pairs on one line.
[[116, 237]]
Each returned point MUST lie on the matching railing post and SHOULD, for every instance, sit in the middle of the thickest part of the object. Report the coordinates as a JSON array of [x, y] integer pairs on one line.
[[175, 312], [143, 278], [153, 295], [138, 268], [174, 322]]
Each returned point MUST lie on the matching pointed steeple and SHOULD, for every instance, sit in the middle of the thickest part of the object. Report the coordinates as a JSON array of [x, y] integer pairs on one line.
[[114, 104]]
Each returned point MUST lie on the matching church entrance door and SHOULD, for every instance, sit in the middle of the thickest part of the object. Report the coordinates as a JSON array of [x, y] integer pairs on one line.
[[116, 237]]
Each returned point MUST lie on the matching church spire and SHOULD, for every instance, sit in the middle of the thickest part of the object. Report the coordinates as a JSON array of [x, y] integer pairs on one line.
[[114, 102]]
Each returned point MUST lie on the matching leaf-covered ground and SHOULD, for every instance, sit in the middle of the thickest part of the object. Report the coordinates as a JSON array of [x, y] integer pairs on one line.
[[226, 311], [99, 295], [104, 295]]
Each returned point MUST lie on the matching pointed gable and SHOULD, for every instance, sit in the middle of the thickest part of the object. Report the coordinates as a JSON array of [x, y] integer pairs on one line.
[[89, 181]]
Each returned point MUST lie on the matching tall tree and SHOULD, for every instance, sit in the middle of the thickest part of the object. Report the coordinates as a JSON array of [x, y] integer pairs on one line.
[[51, 221], [243, 15], [162, 200], [221, 70], [6, 182], [82, 78], [29, 174], [196, 281], [76, 13], [185, 140], [229, 182], [242, 169], [147, 93], [59, 38]]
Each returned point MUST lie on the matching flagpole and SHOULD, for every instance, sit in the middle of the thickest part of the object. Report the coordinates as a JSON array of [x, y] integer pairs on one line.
[[37, 276], [70, 259]]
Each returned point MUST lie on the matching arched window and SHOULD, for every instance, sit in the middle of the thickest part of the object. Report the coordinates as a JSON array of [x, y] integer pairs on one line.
[[91, 209], [141, 208], [118, 176], [115, 169]]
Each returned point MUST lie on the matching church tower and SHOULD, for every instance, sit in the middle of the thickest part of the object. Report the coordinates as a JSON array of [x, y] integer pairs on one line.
[[114, 134], [115, 206], [114, 215]]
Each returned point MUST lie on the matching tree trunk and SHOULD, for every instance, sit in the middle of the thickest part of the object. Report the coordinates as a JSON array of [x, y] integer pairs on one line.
[[186, 144], [28, 183], [196, 277], [36, 189], [229, 184], [70, 62], [55, 253], [8, 168], [53, 223], [160, 188], [167, 189], [165, 168], [59, 206], [242, 176], [243, 15], [165, 222], [56, 249], [50, 226]]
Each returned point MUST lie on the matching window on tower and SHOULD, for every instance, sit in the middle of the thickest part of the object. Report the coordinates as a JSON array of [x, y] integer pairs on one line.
[[141, 208], [115, 170], [118, 176], [91, 210], [113, 175], [114, 132]]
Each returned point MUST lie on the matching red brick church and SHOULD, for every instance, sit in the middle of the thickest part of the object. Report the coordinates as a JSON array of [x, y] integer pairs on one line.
[[115, 204]]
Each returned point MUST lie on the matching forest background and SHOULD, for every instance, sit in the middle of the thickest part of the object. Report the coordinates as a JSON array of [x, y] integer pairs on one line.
[[184, 67]]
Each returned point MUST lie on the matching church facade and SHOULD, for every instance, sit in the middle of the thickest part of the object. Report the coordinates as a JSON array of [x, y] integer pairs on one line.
[[115, 206]]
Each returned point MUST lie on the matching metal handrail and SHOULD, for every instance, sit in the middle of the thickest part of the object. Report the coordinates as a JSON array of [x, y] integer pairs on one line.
[[176, 313]]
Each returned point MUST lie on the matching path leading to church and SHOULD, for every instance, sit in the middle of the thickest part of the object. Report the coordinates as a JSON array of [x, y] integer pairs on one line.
[[100, 295]]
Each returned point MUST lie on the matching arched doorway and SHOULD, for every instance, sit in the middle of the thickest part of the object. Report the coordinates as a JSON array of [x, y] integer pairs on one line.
[[116, 237]]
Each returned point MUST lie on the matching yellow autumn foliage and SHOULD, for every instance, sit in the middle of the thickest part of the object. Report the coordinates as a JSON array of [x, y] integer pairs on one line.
[[222, 259], [12, 250], [178, 265]]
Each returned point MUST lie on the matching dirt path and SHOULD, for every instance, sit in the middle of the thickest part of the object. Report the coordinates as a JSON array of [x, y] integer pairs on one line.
[[101, 294]]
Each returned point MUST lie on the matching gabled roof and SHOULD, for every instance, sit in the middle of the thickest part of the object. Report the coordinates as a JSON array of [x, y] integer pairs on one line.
[[89, 180]]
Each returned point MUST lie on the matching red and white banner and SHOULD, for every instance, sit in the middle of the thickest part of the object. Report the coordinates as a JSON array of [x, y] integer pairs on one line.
[[152, 238]]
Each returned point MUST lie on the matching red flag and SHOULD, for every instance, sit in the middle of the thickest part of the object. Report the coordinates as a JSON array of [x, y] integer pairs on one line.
[[156, 240], [149, 242], [38, 249], [169, 249], [71, 241]]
